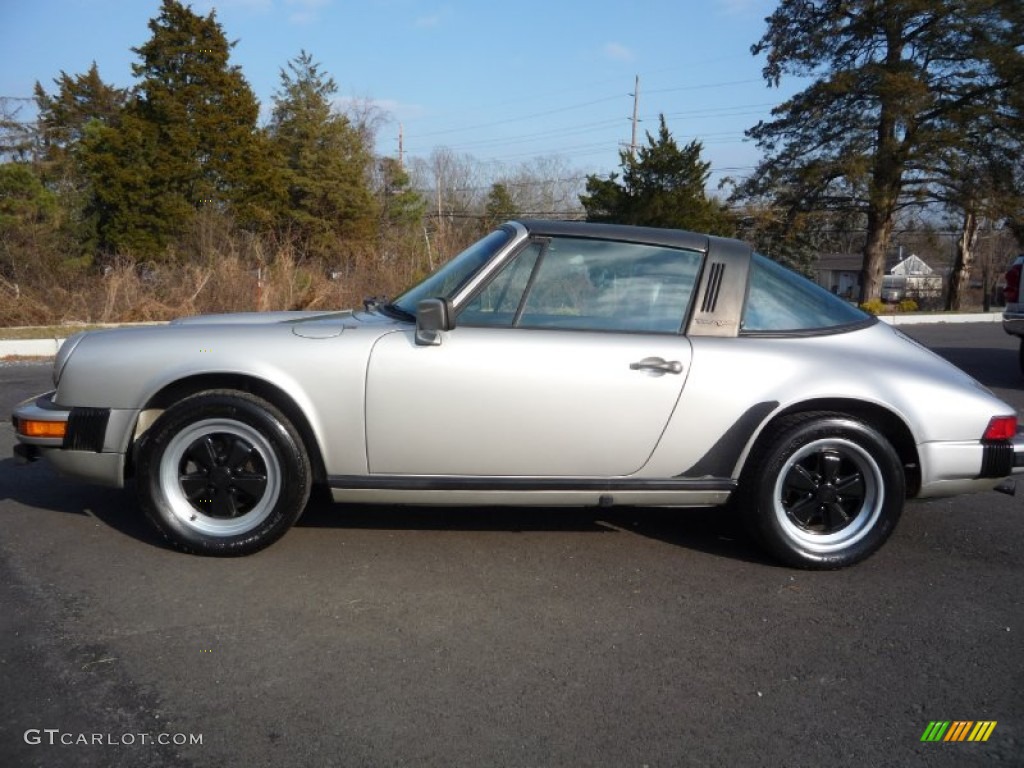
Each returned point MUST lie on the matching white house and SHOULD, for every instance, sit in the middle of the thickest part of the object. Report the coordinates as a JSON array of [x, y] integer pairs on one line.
[[911, 278]]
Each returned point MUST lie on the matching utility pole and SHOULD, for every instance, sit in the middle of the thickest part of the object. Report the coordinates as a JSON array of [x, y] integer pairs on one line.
[[401, 147], [636, 107]]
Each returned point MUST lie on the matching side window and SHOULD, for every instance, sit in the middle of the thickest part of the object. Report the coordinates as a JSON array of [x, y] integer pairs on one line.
[[496, 304], [779, 300], [611, 286]]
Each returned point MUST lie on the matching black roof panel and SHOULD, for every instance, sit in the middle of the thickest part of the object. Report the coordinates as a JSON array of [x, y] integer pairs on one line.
[[673, 238]]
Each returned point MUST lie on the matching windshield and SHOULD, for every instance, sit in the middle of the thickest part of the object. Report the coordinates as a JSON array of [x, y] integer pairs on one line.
[[447, 280]]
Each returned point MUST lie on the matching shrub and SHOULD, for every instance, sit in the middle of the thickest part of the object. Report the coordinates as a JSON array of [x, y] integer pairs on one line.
[[907, 305], [874, 306]]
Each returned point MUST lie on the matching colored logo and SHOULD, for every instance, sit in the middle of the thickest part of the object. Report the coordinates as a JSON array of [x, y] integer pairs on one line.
[[958, 730]]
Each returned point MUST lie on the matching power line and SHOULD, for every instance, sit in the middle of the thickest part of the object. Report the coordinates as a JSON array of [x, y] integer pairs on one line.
[[520, 118], [705, 86], [581, 105], [528, 137]]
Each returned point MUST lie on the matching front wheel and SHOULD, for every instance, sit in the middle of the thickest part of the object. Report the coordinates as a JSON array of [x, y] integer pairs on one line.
[[824, 490], [222, 473]]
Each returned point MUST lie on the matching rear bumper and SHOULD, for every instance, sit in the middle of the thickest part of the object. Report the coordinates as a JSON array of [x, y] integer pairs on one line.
[[1018, 454], [952, 468], [1013, 323]]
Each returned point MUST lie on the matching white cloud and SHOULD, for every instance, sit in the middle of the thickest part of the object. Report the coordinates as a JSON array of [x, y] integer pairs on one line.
[[205, 6], [618, 52], [298, 11], [306, 11], [758, 8], [433, 20]]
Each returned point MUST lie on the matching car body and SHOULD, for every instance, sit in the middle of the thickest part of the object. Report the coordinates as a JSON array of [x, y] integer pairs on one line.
[[1013, 313], [551, 363]]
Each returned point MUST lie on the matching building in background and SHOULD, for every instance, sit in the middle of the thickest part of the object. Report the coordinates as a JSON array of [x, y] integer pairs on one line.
[[909, 278]]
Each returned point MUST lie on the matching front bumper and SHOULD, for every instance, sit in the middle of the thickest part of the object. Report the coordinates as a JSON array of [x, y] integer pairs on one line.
[[26, 454], [91, 445]]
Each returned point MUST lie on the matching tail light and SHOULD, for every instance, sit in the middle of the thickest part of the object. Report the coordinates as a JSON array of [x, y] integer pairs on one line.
[[1001, 428], [1012, 290]]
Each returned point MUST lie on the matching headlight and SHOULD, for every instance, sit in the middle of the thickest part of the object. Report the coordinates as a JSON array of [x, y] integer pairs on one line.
[[64, 353]]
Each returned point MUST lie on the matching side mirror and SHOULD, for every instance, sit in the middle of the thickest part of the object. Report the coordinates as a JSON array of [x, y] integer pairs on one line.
[[432, 317]]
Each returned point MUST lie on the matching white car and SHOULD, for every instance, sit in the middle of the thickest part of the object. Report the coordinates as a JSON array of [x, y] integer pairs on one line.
[[1013, 314], [551, 363]]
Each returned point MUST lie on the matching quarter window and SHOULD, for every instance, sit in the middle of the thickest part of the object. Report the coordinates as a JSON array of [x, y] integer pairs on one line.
[[780, 300]]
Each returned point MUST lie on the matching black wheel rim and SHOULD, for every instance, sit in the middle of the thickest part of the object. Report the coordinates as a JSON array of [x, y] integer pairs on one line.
[[828, 495], [824, 491], [222, 475]]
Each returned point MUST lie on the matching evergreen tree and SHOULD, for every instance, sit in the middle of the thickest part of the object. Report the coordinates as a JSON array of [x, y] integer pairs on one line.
[[81, 104], [400, 205], [663, 187], [500, 206], [63, 118], [23, 197], [890, 79], [130, 208], [324, 160], [17, 139], [197, 119], [29, 241]]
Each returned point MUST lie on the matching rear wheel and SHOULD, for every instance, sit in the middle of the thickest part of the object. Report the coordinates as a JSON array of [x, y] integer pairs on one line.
[[222, 473], [1020, 354], [823, 491]]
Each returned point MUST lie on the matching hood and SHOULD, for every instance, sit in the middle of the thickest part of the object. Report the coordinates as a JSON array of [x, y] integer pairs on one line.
[[309, 325], [251, 318]]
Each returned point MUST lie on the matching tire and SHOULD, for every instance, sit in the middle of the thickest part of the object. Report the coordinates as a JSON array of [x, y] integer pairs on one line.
[[222, 473], [1020, 355], [823, 490]]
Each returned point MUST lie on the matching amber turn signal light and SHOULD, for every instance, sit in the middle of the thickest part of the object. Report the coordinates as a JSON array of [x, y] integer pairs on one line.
[[30, 428]]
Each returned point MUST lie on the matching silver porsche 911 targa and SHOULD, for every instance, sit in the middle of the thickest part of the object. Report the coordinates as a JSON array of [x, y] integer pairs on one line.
[[550, 363]]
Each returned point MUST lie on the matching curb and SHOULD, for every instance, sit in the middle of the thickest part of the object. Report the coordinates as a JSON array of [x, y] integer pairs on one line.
[[977, 317], [49, 347], [29, 347]]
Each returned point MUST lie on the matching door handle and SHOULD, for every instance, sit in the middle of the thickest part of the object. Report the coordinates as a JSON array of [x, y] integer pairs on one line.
[[657, 365]]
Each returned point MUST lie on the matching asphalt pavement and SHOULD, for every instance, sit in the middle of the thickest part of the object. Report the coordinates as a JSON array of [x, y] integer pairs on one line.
[[519, 637]]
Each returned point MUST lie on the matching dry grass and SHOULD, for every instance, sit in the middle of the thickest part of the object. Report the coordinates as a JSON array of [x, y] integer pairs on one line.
[[48, 331], [125, 292], [215, 267]]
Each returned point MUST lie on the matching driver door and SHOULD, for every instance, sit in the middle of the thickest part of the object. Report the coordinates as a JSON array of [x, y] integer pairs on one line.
[[569, 363]]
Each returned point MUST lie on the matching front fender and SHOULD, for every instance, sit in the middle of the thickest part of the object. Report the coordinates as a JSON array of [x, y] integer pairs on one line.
[[325, 377]]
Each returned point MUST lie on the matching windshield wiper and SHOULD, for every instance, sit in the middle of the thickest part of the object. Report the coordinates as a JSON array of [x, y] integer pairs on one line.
[[395, 311]]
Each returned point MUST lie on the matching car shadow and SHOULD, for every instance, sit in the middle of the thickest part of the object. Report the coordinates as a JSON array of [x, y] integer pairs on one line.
[[714, 531], [710, 530], [38, 486]]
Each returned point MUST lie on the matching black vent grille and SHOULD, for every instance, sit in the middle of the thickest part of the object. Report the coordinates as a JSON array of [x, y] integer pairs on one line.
[[714, 286], [87, 429], [996, 459]]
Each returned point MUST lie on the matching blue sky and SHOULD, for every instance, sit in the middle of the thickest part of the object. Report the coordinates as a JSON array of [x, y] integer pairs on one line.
[[504, 82]]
